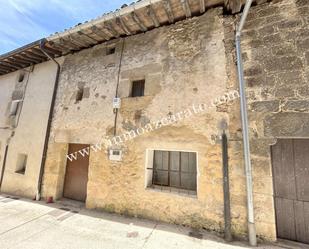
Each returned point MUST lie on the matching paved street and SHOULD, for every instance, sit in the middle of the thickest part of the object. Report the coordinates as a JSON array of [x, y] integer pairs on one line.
[[35, 225]]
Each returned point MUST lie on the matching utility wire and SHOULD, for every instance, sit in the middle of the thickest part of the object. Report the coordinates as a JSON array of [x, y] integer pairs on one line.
[[117, 87]]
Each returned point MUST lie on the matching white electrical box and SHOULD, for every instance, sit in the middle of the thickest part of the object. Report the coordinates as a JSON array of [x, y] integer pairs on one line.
[[115, 155], [116, 103]]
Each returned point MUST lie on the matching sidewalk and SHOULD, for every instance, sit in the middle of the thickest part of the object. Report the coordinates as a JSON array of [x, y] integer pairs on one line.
[[35, 225]]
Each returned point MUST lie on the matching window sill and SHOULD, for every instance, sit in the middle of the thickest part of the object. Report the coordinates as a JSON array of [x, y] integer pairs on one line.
[[172, 190]]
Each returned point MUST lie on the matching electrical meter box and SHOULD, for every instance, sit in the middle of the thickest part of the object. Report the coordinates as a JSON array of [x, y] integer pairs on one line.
[[115, 155], [116, 103]]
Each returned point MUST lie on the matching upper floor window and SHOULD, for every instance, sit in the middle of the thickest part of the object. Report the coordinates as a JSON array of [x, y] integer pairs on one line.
[[110, 50], [138, 87]]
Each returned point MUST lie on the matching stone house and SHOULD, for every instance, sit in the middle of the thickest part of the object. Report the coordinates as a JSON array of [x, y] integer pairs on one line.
[[167, 65]]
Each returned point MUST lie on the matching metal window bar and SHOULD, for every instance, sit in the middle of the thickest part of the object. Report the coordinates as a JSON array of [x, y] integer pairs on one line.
[[163, 177]]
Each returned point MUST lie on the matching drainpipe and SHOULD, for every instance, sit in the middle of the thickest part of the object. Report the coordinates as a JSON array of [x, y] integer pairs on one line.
[[49, 122], [244, 122], [226, 189], [3, 164]]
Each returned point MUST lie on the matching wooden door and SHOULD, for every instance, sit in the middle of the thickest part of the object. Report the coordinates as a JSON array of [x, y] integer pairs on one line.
[[76, 177], [290, 160]]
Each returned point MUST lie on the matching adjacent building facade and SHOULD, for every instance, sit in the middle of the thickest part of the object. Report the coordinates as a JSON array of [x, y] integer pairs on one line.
[[156, 153]]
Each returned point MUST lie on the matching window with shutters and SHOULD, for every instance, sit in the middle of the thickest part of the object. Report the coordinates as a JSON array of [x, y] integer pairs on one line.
[[174, 169], [138, 87]]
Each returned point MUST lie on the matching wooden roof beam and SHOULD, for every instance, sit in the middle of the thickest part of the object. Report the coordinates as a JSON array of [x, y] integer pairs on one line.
[[8, 66], [3, 71], [38, 60], [169, 11], [202, 6], [88, 38], [69, 44], [12, 63], [52, 51], [100, 32], [23, 60], [37, 52], [30, 54], [153, 16], [78, 43], [138, 21], [186, 8], [35, 61], [123, 26], [234, 6], [108, 26]]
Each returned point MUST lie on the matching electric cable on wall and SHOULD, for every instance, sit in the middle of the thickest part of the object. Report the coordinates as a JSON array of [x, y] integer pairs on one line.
[[117, 86]]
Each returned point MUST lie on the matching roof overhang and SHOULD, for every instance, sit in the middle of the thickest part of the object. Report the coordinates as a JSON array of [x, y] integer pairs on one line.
[[25, 56], [136, 18]]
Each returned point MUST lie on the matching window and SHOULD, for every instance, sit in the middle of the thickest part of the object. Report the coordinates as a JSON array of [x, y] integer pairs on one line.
[[138, 87], [21, 77], [174, 169], [21, 164], [110, 51], [79, 94]]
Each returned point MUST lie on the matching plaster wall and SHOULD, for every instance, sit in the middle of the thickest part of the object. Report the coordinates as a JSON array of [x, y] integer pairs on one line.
[[29, 128]]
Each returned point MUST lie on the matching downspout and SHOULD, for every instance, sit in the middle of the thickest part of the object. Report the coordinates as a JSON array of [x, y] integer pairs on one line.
[[244, 122], [226, 189], [49, 122], [3, 164]]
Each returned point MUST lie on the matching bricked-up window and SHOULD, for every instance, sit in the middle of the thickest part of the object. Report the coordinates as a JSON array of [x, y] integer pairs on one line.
[[21, 164], [138, 87], [79, 94], [21, 77], [174, 169]]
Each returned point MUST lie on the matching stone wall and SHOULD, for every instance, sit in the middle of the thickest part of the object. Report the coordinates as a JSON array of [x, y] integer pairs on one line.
[[275, 49], [190, 62], [182, 66]]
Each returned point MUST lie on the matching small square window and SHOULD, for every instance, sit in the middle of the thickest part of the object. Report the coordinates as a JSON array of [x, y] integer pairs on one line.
[[21, 164], [138, 88], [111, 51]]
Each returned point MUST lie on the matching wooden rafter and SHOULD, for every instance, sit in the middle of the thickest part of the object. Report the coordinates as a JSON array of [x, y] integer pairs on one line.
[[153, 16], [168, 10], [234, 6], [87, 38], [123, 26], [202, 6], [7, 65], [29, 57], [110, 29], [100, 32], [33, 55], [186, 8], [138, 21], [16, 63]]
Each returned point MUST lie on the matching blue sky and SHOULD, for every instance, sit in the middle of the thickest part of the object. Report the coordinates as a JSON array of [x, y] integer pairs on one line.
[[25, 21]]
